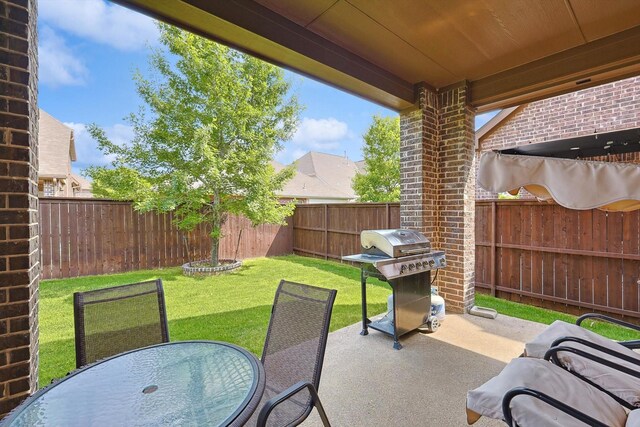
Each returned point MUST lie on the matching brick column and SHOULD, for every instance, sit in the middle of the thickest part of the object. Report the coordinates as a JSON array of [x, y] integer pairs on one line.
[[418, 165], [19, 257], [438, 184]]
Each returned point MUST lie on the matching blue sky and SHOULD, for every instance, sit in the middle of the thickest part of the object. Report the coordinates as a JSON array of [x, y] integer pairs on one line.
[[88, 50]]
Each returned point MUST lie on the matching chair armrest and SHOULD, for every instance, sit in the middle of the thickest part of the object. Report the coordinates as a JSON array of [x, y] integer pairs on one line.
[[606, 319], [552, 354], [286, 394], [633, 344], [594, 346], [518, 391]]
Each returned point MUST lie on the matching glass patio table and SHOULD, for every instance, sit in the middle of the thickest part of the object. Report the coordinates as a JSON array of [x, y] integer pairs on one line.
[[188, 383]]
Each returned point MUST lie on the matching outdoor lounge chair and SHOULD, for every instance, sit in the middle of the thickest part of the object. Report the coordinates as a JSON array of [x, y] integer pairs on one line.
[[113, 320], [293, 354], [533, 392], [558, 329], [618, 371]]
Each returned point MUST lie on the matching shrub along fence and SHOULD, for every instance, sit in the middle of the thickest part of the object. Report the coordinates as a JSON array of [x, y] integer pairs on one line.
[[80, 237]]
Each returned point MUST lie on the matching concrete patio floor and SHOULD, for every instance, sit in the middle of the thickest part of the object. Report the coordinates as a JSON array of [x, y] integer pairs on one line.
[[365, 382]]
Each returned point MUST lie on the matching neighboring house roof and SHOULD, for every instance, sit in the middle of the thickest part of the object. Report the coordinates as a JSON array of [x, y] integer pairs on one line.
[[303, 186], [361, 165], [335, 171], [56, 148]]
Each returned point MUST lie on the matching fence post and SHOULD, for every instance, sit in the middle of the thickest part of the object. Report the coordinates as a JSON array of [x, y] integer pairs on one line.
[[493, 248], [326, 231], [387, 216]]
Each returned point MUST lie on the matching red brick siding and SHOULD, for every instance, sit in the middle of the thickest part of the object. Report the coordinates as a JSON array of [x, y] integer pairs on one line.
[[19, 263], [605, 108]]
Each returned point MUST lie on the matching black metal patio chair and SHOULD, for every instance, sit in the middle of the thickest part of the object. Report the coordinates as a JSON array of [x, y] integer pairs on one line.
[[113, 320], [293, 354]]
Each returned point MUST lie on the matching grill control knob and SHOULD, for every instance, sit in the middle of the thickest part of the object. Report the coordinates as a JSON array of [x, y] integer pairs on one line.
[[411, 267], [425, 264], [418, 265], [431, 263], [403, 268]]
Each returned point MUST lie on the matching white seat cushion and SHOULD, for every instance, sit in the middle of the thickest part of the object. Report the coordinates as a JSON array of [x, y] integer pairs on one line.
[[622, 385], [547, 378], [558, 329], [633, 420]]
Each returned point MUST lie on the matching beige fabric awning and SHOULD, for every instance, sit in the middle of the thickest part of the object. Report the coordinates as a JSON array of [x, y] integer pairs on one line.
[[574, 184]]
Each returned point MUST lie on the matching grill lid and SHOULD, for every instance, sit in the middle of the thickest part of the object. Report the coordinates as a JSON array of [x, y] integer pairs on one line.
[[394, 243]]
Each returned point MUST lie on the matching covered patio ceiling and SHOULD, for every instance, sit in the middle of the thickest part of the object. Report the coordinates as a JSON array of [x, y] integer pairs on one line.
[[510, 51]]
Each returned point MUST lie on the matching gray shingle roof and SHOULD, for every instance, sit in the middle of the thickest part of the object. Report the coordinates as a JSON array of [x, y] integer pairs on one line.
[[335, 171]]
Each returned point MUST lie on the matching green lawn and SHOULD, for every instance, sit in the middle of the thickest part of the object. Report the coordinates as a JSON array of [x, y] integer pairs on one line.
[[541, 315], [234, 307]]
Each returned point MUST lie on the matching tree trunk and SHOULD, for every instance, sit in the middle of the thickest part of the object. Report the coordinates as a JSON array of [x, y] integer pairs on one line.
[[216, 230], [215, 245]]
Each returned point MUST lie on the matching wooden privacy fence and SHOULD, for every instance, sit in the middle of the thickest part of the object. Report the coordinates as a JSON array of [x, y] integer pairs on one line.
[[80, 237], [586, 259], [333, 230], [525, 250]]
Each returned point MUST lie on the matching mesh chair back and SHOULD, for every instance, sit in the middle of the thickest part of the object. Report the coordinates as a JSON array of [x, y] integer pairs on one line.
[[113, 320], [295, 345]]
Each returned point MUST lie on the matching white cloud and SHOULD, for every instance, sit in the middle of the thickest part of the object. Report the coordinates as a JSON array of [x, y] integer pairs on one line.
[[321, 134], [104, 23], [87, 151], [58, 65]]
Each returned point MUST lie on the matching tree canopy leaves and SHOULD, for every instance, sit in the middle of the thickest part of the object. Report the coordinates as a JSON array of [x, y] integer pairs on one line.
[[212, 118], [381, 180]]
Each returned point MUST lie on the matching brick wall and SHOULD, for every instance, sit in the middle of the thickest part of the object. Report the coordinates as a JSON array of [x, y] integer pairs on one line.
[[437, 166], [418, 166], [18, 202], [605, 108]]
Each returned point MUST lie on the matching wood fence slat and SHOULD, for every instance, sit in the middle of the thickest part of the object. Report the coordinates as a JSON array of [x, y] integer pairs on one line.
[[615, 267], [73, 249], [548, 239], [600, 265], [83, 240], [46, 251], [586, 262], [526, 256], [631, 270], [537, 221], [56, 236], [572, 234], [560, 261]]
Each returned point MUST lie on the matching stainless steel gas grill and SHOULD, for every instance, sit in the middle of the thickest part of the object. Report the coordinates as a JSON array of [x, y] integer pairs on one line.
[[404, 259]]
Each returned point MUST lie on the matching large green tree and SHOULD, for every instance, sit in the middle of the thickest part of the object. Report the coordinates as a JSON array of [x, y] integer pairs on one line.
[[380, 181], [210, 124]]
